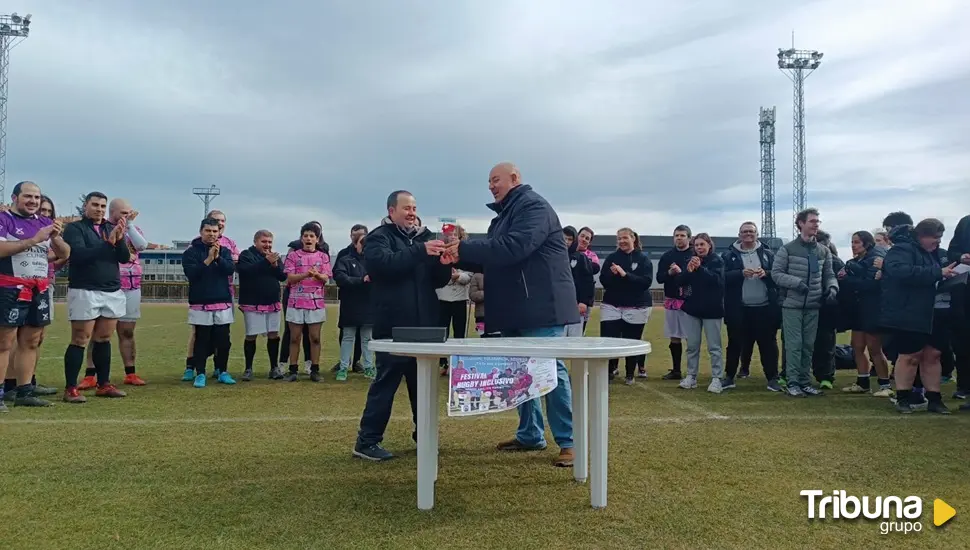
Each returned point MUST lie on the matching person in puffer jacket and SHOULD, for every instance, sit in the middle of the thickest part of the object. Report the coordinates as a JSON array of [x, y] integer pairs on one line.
[[584, 268], [911, 272], [803, 272], [703, 291]]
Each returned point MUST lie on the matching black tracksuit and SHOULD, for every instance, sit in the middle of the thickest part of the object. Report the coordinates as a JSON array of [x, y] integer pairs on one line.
[[209, 284], [631, 291]]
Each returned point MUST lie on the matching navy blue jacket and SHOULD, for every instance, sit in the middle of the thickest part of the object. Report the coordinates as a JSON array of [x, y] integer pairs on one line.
[[704, 289], [355, 307], [403, 278], [259, 280], [909, 277], [528, 280], [860, 293], [93, 263], [208, 284], [734, 280], [632, 290], [583, 271], [671, 282]]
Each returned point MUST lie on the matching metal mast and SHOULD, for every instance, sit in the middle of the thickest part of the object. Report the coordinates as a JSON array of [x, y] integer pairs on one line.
[[766, 124], [798, 65], [207, 194], [13, 30]]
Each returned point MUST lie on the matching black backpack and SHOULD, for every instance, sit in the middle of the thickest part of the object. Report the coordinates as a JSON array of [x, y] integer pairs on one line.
[[844, 357]]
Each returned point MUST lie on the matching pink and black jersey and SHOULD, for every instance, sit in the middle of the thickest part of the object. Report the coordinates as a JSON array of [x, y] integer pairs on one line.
[[308, 293]]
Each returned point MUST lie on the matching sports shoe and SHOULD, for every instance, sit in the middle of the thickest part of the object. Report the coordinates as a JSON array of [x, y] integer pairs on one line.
[[629, 381], [937, 407], [3, 407], [31, 400], [356, 367], [782, 382], [72, 395], [795, 391], [854, 388], [728, 384], [641, 372], [374, 453], [43, 390], [883, 392], [672, 375], [335, 367], [903, 408], [292, 377], [134, 380], [946, 379], [225, 378], [247, 375], [514, 445], [306, 367], [9, 396], [825, 384], [965, 407], [370, 372], [715, 386], [811, 391], [341, 375], [88, 383], [774, 386], [960, 394], [315, 376], [688, 382], [109, 390], [188, 375], [745, 373], [199, 381], [276, 373]]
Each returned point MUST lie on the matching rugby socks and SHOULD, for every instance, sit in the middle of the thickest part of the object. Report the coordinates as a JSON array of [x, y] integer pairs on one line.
[[676, 352], [73, 359], [249, 350], [862, 380], [883, 383], [273, 349], [934, 397], [101, 355], [314, 368], [130, 370], [9, 384], [90, 371]]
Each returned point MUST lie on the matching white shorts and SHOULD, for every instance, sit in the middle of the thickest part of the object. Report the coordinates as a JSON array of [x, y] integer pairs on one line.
[[675, 324], [259, 323], [132, 305], [87, 305], [306, 316], [210, 318]]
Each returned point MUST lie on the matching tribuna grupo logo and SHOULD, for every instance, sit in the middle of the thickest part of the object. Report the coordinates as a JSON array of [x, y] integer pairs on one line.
[[896, 514]]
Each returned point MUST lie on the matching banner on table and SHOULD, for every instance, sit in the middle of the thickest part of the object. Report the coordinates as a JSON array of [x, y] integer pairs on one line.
[[480, 385]]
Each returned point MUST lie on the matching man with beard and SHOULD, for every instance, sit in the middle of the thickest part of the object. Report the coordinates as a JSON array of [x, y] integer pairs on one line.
[[356, 233], [405, 270], [95, 300], [260, 274], [671, 265], [27, 243]]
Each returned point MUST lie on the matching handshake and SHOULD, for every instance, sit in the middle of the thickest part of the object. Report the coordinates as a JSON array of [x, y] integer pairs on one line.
[[448, 252]]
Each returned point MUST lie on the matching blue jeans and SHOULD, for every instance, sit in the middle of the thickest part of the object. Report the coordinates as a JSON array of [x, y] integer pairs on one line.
[[559, 404]]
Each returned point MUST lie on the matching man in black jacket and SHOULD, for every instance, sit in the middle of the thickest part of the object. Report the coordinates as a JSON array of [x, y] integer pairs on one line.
[[959, 251], [404, 266], [95, 301], [583, 270], [351, 277], [751, 309], [671, 264], [357, 232], [208, 266], [529, 292], [260, 274]]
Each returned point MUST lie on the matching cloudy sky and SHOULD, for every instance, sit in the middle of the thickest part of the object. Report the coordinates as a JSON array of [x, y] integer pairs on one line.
[[640, 113]]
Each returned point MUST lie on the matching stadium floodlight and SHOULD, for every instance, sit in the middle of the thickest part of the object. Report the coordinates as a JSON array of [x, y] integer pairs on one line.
[[13, 30]]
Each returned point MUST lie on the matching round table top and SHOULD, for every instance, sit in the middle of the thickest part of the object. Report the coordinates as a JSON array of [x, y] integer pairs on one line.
[[558, 348]]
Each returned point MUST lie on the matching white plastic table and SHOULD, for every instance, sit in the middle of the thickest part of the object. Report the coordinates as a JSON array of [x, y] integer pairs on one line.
[[588, 357]]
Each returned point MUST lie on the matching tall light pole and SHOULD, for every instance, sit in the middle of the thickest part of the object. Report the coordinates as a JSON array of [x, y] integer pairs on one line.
[[13, 30], [207, 194], [766, 127], [798, 65]]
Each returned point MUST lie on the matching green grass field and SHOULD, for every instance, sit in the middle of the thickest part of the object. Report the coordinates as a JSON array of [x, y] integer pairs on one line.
[[267, 465]]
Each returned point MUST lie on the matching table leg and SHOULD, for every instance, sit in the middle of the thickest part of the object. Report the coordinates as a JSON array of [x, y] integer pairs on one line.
[[579, 372], [427, 452], [599, 402], [435, 416]]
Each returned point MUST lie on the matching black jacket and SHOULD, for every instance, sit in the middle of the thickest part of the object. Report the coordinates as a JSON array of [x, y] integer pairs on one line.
[[403, 278], [704, 289], [632, 290], [860, 293], [671, 282], [528, 280], [583, 270], [734, 281], [208, 284], [259, 280], [909, 277], [93, 263], [355, 294]]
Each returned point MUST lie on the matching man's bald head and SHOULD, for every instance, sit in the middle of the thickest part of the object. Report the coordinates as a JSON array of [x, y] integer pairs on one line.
[[503, 178], [117, 209]]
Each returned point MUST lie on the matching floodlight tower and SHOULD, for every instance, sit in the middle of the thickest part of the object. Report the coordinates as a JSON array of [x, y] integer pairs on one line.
[[766, 125], [207, 194], [798, 65], [13, 30]]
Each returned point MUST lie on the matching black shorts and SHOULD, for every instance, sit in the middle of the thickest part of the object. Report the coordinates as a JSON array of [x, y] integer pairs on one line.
[[17, 313], [905, 342]]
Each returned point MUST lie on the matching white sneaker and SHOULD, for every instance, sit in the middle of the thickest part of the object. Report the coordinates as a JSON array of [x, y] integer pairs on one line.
[[688, 383], [306, 367], [715, 386]]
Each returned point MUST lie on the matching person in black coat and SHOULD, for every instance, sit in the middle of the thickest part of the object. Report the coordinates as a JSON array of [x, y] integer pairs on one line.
[[860, 296], [959, 251], [703, 291], [911, 271], [351, 276], [260, 274], [626, 278], [208, 266], [358, 230], [584, 269], [823, 352], [285, 350], [404, 265]]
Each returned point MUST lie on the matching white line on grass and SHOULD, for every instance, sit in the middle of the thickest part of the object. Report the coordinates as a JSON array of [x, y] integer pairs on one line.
[[686, 405]]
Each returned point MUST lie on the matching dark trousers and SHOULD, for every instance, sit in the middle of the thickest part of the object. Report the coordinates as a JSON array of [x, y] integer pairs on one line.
[[823, 356], [455, 315], [757, 325], [380, 396], [621, 329], [340, 338], [215, 337]]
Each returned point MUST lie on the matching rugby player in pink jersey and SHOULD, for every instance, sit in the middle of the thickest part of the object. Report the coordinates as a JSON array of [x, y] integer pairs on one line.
[[308, 270]]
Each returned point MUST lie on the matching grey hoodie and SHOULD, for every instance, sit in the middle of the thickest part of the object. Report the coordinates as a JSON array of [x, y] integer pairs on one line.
[[754, 292]]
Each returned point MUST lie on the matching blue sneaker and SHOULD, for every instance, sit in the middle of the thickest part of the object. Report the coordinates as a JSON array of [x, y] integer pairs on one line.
[[224, 378], [199, 381], [188, 375]]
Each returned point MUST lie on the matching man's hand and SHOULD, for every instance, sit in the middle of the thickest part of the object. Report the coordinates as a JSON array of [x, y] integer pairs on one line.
[[454, 273], [674, 269], [132, 215], [273, 258], [832, 297], [583, 308], [760, 273], [877, 263], [749, 273], [118, 232], [42, 235], [366, 278], [802, 287], [214, 252], [878, 275], [965, 259], [949, 271], [58, 229], [434, 248]]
